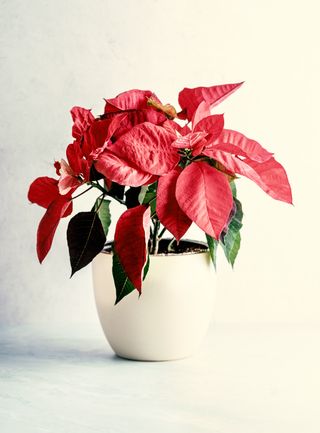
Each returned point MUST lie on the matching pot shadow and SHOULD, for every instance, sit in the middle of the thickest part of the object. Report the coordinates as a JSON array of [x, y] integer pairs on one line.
[[75, 351]]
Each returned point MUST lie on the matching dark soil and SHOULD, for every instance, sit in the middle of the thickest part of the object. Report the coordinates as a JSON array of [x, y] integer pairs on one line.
[[184, 247]]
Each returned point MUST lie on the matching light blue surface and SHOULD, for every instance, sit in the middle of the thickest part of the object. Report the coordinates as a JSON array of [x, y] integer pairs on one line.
[[245, 379]]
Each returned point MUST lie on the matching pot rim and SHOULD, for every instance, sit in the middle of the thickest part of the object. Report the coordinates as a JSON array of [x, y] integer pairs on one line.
[[187, 253]]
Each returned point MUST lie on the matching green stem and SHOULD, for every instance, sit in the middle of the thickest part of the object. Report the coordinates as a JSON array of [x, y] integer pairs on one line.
[[162, 232], [83, 192], [155, 240], [170, 246]]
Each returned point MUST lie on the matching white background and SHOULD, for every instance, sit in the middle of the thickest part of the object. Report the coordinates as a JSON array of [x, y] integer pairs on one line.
[[56, 54]]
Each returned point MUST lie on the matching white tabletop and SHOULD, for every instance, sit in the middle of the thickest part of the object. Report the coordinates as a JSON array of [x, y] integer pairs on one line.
[[245, 379]]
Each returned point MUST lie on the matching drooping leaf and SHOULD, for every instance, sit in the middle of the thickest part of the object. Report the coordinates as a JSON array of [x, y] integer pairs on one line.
[[147, 147], [213, 245], [120, 171], [205, 196], [269, 175], [86, 238], [121, 281], [131, 242], [168, 210], [231, 240], [189, 99], [61, 206], [237, 143], [102, 206], [43, 191]]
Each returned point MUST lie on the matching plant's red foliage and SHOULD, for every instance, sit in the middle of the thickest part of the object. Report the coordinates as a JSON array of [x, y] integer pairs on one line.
[[168, 210], [143, 151], [136, 142], [130, 100], [118, 170], [131, 242], [82, 119], [211, 125], [205, 196], [189, 99], [234, 142], [148, 147], [192, 140], [59, 207], [269, 175]]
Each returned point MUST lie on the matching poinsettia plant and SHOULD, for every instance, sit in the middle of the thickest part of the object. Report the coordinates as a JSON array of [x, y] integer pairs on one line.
[[168, 168]]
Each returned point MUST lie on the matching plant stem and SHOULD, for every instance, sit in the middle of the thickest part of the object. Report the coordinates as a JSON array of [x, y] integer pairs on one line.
[[155, 239], [170, 246], [162, 232], [105, 192], [83, 192]]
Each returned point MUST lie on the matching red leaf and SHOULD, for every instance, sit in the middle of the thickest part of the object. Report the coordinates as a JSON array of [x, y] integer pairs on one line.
[[78, 164], [130, 100], [204, 194], [49, 223], [168, 210], [148, 147], [118, 170], [201, 112], [212, 125], [43, 191], [95, 136], [131, 242], [190, 140], [269, 175], [189, 99], [82, 119], [247, 147]]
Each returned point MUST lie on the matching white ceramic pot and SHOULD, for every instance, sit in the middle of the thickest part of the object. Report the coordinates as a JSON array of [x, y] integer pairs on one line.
[[170, 319]]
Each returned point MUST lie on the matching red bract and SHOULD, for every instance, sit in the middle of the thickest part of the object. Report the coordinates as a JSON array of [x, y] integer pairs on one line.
[[131, 242], [205, 196], [244, 156], [269, 175], [190, 99], [165, 171], [118, 170], [139, 155], [168, 210], [44, 191]]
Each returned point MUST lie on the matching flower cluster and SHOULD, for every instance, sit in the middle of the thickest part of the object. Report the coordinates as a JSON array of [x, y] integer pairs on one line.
[[169, 168]]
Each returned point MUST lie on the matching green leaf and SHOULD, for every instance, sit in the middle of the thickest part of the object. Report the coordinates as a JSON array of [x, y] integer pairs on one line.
[[232, 239], [85, 238], [233, 188], [103, 207], [121, 281], [213, 245], [148, 196]]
